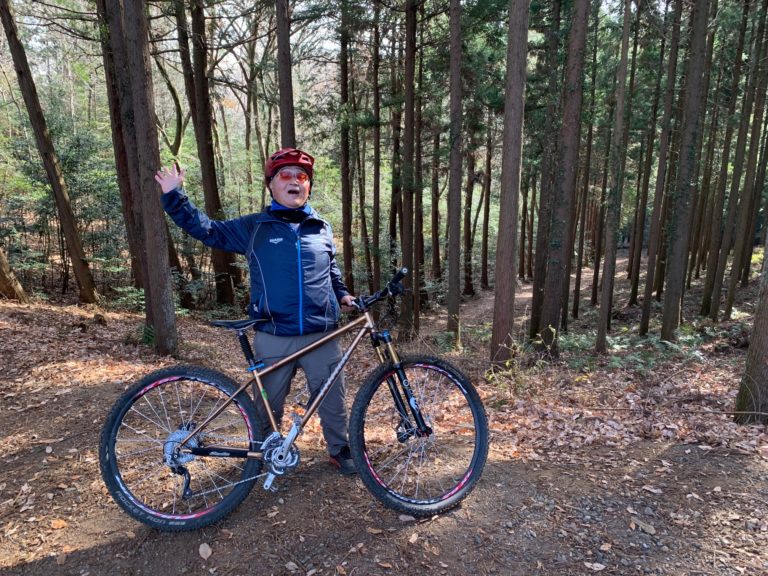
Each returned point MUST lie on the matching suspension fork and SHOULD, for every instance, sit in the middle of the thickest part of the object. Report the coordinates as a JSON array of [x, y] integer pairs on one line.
[[390, 353]]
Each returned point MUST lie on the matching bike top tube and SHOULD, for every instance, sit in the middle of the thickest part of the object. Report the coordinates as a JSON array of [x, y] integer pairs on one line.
[[365, 318], [366, 324]]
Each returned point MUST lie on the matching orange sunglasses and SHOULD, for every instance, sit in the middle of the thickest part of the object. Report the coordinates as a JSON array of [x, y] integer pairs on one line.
[[298, 175]]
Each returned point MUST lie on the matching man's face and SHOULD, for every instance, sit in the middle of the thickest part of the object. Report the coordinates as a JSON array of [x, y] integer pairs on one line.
[[290, 187]]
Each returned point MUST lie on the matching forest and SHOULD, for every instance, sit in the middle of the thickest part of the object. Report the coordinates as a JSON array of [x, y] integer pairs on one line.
[[577, 190]]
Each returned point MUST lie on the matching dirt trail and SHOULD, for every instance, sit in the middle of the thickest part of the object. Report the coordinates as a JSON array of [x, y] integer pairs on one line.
[[567, 490]]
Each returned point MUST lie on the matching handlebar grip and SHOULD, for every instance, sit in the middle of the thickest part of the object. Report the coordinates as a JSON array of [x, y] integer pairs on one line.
[[402, 273]]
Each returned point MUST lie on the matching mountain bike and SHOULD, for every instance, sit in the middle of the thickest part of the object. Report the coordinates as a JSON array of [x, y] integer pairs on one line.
[[181, 449]]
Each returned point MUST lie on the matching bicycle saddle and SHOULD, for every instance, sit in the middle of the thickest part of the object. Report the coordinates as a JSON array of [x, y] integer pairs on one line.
[[237, 324]]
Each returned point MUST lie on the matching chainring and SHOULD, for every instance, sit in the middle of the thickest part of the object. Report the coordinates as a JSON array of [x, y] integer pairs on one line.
[[272, 448]]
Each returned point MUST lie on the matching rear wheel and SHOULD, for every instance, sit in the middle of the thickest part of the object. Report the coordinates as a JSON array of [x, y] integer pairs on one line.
[[145, 472], [412, 471]]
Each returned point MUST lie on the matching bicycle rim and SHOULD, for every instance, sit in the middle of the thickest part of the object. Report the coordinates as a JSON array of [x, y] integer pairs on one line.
[[158, 416], [429, 473]]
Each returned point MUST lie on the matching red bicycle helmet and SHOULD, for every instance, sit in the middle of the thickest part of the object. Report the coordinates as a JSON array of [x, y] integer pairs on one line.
[[288, 157]]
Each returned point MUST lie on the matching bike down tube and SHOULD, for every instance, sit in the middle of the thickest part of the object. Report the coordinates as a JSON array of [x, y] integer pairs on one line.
[[366, 319], [336, 371]]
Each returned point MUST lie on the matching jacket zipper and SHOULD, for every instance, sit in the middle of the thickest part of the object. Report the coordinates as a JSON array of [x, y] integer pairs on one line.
[[297, 231], [301, 280]]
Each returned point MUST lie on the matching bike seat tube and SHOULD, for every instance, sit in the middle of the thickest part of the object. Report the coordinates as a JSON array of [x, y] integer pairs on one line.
[[262, 392]]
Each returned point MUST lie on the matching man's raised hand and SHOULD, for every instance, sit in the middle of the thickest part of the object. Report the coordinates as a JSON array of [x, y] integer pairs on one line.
[[170, 178]]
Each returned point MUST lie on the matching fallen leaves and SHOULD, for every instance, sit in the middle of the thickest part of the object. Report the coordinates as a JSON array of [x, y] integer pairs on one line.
[[205, 551], [606, 408], [644, 526], [58, 524]]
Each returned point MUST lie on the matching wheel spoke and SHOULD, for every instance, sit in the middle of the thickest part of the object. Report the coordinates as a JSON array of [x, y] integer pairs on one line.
[[167, 427], [148, 419], [143, 452], [421, 471]]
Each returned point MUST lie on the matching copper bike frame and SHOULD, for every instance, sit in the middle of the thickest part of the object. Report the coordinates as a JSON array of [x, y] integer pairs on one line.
[[368, 326]]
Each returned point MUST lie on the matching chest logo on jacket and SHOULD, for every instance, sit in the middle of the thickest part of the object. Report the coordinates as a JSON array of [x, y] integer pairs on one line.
[[275, 240]]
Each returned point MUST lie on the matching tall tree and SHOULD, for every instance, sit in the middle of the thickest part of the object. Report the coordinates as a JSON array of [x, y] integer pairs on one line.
[[582, 224], [752, 398], [131, 208], [614, 196], [375, 65], [284, 74], [469, 288], [646, 177], [511, 173], [701, 198], [599, 226], [396, 116], [344, 152], [407, 172], [557, 280], [679, 229], [158, 291], [666, 129], [436, 269], [454, 178], [523, 229], [195, 70], [759, 185], [529, 254], [87, 288], [548, 164], [749, 189], [738, 167], [716, 213], [484, 283], [420, 295]]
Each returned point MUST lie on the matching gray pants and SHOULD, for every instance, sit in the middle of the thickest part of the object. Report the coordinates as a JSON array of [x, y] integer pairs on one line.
[[317, 366]]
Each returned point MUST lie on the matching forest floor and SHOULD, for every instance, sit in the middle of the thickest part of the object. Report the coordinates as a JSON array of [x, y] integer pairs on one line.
[[626, 463]]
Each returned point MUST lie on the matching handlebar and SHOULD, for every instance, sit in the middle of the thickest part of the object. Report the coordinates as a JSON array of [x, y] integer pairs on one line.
[[393, 288]]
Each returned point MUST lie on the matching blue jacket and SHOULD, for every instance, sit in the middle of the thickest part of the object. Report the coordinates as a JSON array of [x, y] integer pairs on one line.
[[295, 282]]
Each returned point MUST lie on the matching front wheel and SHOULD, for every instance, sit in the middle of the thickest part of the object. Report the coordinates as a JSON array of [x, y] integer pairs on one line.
[[142, 461], [419, 470]]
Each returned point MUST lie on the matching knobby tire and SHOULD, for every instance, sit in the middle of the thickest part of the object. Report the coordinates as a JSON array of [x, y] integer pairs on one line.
[[427, 474], [147, 418]]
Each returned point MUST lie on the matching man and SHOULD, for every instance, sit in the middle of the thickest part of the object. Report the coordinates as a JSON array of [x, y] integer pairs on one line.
[[296, 285]]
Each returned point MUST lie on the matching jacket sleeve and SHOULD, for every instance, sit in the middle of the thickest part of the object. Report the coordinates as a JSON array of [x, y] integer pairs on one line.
[[228, 235], [339, 288]]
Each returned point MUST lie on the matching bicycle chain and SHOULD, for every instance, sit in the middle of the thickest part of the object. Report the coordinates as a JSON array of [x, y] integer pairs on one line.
[[212, 490]]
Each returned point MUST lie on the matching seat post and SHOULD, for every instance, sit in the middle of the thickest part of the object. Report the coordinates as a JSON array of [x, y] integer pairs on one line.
[[247, 350]]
